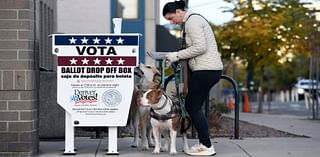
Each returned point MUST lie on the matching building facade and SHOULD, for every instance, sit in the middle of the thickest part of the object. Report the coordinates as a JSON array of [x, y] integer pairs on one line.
[[24, 45]]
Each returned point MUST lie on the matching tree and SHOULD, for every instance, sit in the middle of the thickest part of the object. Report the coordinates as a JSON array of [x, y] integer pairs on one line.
[[265, 33]]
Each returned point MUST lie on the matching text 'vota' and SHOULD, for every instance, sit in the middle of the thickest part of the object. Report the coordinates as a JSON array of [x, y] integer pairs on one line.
[[94, 50]]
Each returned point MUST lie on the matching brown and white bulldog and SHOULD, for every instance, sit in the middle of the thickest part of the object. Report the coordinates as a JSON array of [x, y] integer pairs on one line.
[[146, 77], [165, 118]]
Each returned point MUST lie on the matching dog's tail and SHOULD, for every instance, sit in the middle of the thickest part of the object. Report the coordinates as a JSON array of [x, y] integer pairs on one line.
[[185, 124]]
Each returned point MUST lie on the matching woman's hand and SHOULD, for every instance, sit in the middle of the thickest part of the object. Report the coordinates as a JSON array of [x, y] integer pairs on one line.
[[172, 57]]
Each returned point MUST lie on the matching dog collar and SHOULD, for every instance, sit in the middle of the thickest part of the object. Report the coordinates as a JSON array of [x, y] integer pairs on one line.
[[163, 105]]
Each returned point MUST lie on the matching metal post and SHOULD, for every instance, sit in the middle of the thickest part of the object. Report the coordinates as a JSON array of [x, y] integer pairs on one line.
[[113, 130], [236, 95], [269, 89], [236, 111], [317, 81], [69, 136], [310, 77], [317, 91], [112, 141]]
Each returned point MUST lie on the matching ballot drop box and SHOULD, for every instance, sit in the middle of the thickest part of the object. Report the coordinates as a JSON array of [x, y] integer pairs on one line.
[[95, 80]]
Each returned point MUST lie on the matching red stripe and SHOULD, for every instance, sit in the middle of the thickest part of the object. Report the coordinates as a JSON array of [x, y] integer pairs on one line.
[[83, 101]]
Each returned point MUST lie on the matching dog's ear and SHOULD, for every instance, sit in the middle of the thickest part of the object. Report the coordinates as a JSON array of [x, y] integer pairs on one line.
[[157, 80], [159, 93], [154, 96]]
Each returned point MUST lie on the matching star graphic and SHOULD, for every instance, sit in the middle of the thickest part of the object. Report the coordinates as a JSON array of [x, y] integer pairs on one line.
[[96, 40], [84, 40], [72, 40], [73, 61], [120, 61], [97, 61], [109, 61], [108, 40], [120, 40], [85, 61]]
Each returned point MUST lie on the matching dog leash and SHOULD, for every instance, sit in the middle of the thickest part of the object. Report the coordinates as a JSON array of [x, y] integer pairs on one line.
[[185, 120]]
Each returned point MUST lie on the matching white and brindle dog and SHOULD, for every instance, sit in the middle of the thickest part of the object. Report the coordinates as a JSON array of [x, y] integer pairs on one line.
[[145, 77], [165, 119]]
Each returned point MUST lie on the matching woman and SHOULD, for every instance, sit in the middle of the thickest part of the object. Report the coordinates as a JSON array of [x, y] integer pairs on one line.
[[205, 64]]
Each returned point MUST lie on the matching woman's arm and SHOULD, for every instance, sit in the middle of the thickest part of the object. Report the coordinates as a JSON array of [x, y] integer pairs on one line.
[[195, 32]]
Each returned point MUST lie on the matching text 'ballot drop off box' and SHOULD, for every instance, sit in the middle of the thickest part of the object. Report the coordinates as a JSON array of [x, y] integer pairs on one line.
[[95, 77]]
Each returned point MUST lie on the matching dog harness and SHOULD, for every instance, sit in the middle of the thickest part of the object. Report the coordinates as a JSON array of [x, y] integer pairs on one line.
[[174, 111]]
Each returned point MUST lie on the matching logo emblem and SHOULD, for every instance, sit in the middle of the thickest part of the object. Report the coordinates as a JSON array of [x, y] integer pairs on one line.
[[111, 98]]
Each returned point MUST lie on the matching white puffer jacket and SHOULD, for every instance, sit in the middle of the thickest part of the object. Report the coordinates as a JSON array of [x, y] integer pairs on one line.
[[202, 51]]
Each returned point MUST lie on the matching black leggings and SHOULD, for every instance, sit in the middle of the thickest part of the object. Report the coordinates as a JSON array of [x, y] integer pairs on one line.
[[199, 87]]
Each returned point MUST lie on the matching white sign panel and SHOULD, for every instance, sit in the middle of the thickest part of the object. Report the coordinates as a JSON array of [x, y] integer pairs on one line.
[[95, 76]]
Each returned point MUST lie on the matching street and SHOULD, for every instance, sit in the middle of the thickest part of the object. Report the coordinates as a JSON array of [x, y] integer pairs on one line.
[[284, 108]]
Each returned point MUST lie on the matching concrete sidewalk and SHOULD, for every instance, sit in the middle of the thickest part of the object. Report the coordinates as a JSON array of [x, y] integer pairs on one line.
[[246, 147], [298, 125]]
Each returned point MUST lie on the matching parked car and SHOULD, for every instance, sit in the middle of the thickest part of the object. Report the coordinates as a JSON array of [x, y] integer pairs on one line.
[[305, 85]]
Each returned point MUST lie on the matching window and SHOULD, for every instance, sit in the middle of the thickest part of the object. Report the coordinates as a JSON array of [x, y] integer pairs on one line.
[[46, 27], [127, 9]]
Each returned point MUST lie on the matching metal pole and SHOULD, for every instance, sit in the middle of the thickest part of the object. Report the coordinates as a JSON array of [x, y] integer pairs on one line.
[[69, 136], [317, 80], [236, 111], [236, 96], [269, 89], [311, 78]]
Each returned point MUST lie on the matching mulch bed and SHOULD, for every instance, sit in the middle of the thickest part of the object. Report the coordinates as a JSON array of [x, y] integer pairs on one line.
[[247, 130]]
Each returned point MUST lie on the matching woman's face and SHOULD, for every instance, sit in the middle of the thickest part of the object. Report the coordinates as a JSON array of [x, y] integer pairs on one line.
[[175, 18]]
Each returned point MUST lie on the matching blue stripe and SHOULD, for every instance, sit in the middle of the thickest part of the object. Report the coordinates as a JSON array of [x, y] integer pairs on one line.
[[127, 40]]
